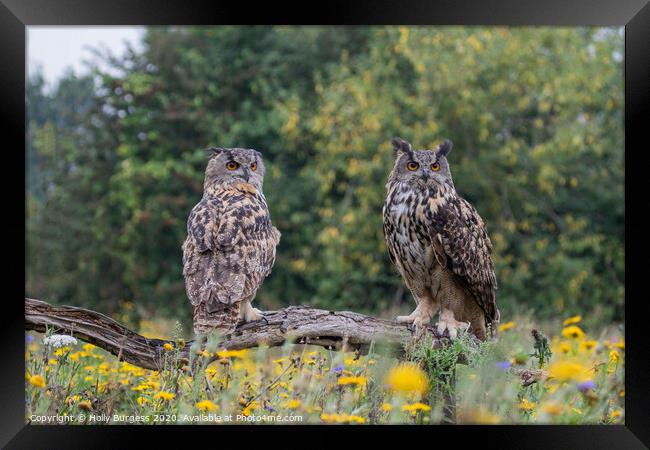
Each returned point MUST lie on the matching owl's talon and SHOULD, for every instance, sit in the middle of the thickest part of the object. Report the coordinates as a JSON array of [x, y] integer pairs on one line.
[[405, 319], [449, 324]]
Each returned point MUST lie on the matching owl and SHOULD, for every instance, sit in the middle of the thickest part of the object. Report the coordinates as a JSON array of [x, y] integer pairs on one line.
[[231, 243], [438, 243]]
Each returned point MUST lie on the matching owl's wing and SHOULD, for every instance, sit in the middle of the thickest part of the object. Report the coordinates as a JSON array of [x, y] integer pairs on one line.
[[461, 243], [219, 266], [210, 229], [389, 230], [207, 267]]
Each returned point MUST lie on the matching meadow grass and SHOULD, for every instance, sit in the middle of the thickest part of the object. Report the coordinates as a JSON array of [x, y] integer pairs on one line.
[[582, 383]]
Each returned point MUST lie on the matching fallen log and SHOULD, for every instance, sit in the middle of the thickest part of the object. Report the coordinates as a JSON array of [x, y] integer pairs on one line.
[[296, 324]]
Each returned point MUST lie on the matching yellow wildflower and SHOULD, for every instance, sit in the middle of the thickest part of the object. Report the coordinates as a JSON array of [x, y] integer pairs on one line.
[[614, 356], [164, 395], [506, 326], [565, 347], [572, 320], [293, 404], [85, 404], [88, 348], [37, 381], [386, 407], [586, 346], [407, 378], [207, 405], [616, 413], [356, 419], [480, 416], [620, 344], [168, 346], [247, 411], [72, 400], [232, 353], [552, 408], [341, 418], [568, 370], [621, 394], [142, 400], [526, 405], [352, 380], [573, 331], [61, 351], [415, 407]]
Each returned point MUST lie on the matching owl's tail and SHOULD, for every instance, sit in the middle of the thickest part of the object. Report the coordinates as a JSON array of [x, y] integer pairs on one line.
[[215, 317]]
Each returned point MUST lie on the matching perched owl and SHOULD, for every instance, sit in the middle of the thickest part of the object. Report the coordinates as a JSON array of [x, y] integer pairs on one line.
[[230, 245], [438, 243]]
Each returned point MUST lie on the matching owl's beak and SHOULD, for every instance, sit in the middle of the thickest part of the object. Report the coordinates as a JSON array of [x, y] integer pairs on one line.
[[247, 174]]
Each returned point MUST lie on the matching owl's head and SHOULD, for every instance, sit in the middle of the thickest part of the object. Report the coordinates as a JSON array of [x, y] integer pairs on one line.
[[421, 168], [234, 165]]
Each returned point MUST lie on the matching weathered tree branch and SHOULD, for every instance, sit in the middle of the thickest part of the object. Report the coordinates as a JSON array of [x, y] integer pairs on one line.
[[297, 324]]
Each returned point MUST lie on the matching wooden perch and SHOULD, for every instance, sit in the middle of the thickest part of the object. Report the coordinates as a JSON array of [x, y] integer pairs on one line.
[[296, 324]]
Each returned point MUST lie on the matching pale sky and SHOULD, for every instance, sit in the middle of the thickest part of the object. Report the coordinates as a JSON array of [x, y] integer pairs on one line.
[[56, 48]]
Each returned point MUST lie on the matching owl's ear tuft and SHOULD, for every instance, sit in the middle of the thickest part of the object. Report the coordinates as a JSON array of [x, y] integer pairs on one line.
[[400, 146], [444, 148], [213, 151]]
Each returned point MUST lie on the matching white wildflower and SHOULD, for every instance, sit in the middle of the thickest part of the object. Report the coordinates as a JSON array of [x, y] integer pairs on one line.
[[59, 340]]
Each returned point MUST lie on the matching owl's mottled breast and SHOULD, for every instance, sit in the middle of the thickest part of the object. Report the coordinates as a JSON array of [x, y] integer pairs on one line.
[[406, 215]]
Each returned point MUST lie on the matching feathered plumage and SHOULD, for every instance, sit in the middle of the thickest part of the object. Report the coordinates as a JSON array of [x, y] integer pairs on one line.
[[438, 242], [230, 247]]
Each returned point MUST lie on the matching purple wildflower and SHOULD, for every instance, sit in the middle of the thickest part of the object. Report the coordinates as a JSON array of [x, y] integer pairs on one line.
[[338, 369], [586, 386], [29, 338], [504, 365]]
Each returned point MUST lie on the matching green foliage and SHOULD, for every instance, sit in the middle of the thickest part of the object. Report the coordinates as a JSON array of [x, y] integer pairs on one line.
[[535, 115]]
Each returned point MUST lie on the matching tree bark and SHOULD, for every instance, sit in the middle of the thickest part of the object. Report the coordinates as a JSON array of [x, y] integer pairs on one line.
[[297, 324]]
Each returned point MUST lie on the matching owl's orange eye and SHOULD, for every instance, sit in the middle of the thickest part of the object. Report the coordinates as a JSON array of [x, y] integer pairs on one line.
[[254, 167], [412, 166], [435, 167], [232, 165]]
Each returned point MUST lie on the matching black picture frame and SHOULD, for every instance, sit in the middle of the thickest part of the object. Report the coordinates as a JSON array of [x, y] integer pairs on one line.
[[634, 15]]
